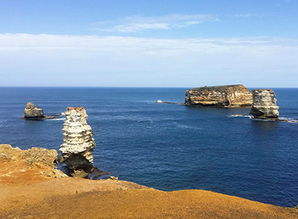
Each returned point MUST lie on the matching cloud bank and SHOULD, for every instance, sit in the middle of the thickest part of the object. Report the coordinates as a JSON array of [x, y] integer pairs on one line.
[[68, 60]]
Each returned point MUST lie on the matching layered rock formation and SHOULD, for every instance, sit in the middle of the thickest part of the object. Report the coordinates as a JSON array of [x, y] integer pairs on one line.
[[264, 104], [35, 164], [78, 143], [219, 96], [33, 112]]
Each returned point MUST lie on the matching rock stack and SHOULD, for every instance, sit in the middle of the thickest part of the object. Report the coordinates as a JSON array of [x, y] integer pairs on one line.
[[78, 142], [33, 112], [219, 96], [264, 104]]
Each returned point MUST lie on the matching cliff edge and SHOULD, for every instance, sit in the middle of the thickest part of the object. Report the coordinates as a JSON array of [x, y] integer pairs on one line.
[[31, 187], [219, 96]]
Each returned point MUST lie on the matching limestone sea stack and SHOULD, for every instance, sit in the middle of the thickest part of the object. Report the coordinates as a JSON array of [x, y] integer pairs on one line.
[[33, 112], [229, 96], [264, 104], [78, 142]]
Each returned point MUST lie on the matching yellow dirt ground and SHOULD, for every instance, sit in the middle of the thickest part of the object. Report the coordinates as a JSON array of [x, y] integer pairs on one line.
[[30, 187], [80, 198]]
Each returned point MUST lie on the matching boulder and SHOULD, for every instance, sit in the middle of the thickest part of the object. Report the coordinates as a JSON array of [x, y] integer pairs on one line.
[[264, 104], [33, 112], [219, 96]]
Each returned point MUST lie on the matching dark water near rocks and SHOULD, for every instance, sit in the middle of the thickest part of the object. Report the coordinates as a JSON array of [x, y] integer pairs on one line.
[[167, 146]]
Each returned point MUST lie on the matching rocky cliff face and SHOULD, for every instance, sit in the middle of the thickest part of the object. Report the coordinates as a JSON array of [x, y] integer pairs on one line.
[[219, 96], [264, 104], [78, 142], [33, 112], [35, 164]]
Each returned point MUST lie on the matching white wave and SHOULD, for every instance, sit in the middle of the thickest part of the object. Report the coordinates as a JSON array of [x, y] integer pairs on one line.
[[263, 120], [187, 126], [290, 120], [57, 119], [240, 116]]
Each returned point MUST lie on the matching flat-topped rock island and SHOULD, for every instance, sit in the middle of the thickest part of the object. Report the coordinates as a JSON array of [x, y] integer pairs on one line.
[[230, 96]]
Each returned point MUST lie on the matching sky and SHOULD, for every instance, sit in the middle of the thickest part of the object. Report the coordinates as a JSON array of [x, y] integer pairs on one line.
[[156, 43]]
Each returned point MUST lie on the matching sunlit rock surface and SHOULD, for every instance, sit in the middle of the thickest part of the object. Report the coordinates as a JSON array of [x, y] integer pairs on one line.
[[219, 96], [264, 104], [33, 112], [25, 166], [78, 142]]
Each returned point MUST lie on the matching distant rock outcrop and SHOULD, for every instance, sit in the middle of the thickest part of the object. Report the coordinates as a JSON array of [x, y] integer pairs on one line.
[[219, 96], [264, 104], [33, 112], [78, 143]]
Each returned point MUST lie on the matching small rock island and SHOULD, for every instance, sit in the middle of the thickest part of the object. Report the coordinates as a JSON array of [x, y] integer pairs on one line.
[[264, 104], [230, 96], [33, 112]]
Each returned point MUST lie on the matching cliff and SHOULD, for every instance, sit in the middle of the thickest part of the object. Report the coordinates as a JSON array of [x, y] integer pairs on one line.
[[35, 164], [219, 96], [31, 187]]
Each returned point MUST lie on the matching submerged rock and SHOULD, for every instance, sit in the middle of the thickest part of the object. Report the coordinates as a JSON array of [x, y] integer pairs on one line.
[[78, 144], [33, 112], [264, 104], [219, 96]]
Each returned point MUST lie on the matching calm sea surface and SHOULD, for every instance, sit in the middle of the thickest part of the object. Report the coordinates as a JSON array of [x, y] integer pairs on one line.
[[169, 147]]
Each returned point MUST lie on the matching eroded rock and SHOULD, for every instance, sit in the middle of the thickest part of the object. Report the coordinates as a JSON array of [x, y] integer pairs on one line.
[[78, 143], [219, 96], [264, 104], [33, 164], [33, 112]]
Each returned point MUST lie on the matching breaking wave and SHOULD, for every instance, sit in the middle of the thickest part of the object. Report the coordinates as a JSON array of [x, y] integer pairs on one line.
[[57, 119], [240, 116], [182, 126], [280, 119]]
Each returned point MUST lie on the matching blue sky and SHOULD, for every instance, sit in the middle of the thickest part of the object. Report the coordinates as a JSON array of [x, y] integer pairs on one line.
[[159, 43]]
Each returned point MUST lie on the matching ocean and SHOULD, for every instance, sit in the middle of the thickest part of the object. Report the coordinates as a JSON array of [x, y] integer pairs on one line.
[[168, 146]]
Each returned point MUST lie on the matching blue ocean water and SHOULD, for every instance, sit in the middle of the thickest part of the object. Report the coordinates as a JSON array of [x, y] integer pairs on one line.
[[169, 147]]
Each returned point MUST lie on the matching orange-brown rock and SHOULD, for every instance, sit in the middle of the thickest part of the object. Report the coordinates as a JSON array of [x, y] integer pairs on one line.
[[35, 164], [219, 96]]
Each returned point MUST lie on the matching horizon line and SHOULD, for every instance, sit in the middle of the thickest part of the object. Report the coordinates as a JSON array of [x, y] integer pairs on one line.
[[189, 87]]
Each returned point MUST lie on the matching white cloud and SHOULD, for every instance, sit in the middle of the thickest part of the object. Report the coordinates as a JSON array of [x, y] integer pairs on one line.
[[248, 15], [141, 23], [40, 60]]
